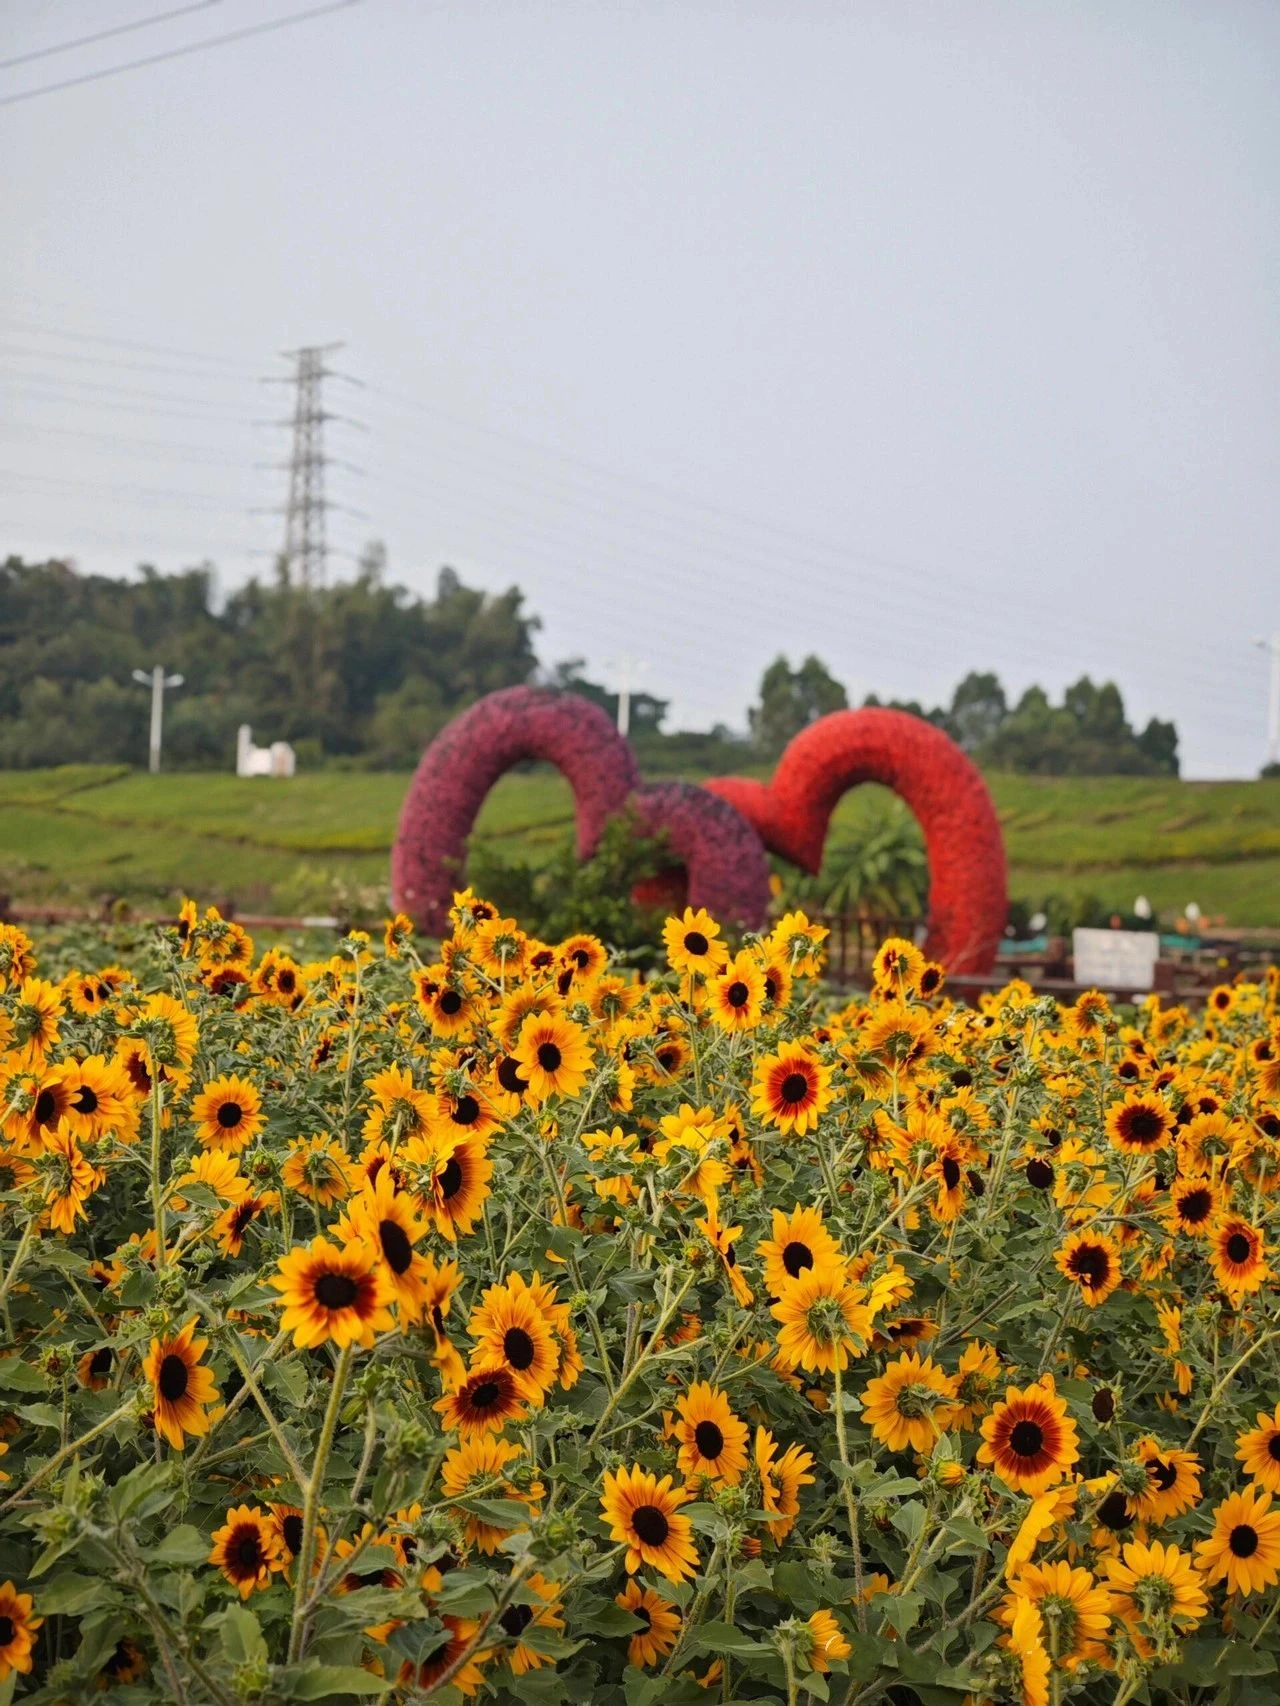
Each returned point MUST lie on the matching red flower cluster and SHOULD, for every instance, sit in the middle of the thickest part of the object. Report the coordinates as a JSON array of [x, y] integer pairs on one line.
[[968, 897]]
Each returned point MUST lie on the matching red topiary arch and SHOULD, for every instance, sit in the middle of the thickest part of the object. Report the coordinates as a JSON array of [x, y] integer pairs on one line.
[[968, 896], [465, 760]]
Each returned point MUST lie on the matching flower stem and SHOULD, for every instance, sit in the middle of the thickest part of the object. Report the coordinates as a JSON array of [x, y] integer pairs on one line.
[[311, 1505]]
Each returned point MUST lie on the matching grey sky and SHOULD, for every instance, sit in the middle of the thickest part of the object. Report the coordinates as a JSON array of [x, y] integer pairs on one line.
[[927, 337]]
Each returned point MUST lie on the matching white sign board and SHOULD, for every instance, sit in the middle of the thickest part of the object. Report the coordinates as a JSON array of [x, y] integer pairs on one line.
[[1116, 959]]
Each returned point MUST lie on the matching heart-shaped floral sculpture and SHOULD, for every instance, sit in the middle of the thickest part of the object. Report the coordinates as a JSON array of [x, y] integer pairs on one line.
[[968, 897], [718, 833]]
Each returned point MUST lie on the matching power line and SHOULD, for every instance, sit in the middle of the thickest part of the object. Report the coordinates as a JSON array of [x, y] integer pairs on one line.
[[157, 448], [112, 390], [78, 356], [38, 394], [105, 35], [179, 52], [31, 327]]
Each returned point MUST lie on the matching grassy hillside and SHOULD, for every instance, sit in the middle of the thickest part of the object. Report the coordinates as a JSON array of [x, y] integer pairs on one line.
[[77, 834]]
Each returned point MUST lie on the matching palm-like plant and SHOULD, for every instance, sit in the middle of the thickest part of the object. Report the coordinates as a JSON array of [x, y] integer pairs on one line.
[[884, 874]]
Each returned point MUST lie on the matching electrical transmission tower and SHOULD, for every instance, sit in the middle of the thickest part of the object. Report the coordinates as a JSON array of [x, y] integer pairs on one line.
[[303, 560]]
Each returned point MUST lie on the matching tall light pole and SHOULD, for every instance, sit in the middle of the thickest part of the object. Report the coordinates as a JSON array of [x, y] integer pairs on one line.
[[627, 668], [157, 680], [1273, 708]]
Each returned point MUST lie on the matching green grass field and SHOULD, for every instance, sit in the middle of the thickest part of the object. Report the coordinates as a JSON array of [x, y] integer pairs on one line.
[[77, 835]]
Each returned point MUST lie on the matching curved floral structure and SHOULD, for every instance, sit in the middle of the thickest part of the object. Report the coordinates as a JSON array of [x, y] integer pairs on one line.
[[719, 859], [465, 760], [968, 896]]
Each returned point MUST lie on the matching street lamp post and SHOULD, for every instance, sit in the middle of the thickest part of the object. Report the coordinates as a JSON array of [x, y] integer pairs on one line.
[[157, 680]]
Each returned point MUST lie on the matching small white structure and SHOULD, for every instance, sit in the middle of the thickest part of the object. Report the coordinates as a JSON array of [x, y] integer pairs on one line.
[[278, 759], [1116, 959]]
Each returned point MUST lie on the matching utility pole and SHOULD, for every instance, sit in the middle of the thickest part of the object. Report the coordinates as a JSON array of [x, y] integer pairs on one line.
[[157, 680], [1273, 705], [304, 558], [626, 667]]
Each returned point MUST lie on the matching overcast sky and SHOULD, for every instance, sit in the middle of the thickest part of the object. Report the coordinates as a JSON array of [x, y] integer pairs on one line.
[[926, 337]]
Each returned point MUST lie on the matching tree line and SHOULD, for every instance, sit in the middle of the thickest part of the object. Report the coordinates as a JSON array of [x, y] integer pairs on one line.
[[365, 672], [1087, 734]]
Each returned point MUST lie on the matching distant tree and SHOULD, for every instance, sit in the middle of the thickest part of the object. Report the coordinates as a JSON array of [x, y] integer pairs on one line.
[[1159, 742], [356, 669], [791, 699], [978, 708]]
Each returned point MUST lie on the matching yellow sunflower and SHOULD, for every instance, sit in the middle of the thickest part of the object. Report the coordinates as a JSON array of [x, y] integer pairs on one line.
[[512, 1332], [182, 1387], [17, 1628], [738, 994], [693, 945], [1173, 1482], [800, 1241], [791, 1089], [1259, 1451], [1092, 1263], [1140, 1124], [643, 1513], [553, 1055], [387, 1220], [228, 1113], [1155, 1586], [713, 1442], [247, 1549], [1239, 1257], [660, 1624], [908, 1406], [1029, 1439], [1076, 1608], [483, 1401], [1244, 1549], [823, 1320], [333, 1296]]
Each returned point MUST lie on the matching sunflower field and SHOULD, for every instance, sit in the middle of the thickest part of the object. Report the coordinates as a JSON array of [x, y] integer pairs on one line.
[[483, 1322]]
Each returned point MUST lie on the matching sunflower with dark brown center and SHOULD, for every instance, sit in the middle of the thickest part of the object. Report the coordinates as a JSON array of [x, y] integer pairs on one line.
[[333, 1296], [247, 1549], [1029, 1439], [643, 1513]]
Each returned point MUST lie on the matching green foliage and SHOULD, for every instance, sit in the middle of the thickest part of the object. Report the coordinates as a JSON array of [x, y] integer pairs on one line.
[[1087, 735], [359, 668], [883, 873], [564, 895], [791, 699]]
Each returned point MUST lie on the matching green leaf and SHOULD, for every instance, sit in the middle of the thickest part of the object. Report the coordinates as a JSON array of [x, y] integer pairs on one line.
[[465, 1593], [321, 1682], [71, 1595], [242, 1639], [723, 1639], [795, 1585], [498, 1513], [909, 1520], [607, 1619], [901, 1610], [40, 1415], [19, 1376], [182, 1545], [143, 1491], [287, 1380]]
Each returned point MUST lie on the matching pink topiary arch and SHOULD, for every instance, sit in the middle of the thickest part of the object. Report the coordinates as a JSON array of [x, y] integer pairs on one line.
[[721, 861], [465, 760], [968, 896]]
